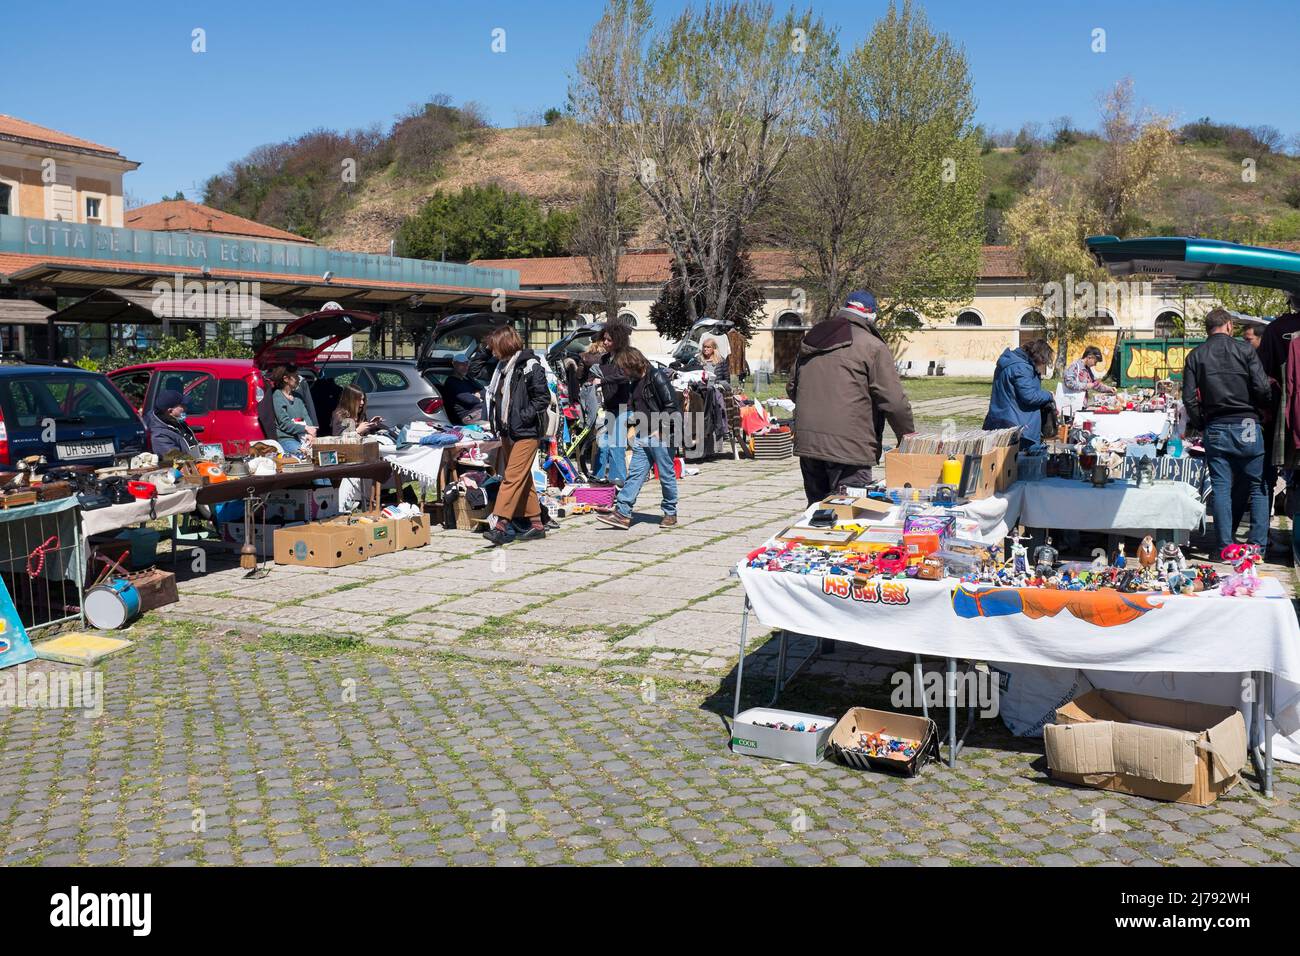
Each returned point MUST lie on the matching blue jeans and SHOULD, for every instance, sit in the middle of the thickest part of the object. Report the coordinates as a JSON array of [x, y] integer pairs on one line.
[[645, 451], [1234, 453], [291, 446], [611, 462]]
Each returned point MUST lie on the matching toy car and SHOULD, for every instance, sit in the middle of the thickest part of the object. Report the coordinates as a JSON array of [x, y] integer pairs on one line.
[[891, 561]]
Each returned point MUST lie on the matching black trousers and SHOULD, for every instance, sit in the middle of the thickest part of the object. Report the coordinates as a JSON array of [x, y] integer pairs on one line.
[[822, 478]]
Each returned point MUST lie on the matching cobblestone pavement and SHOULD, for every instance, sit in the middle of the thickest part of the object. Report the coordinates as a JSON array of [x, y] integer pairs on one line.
[[556, 702]]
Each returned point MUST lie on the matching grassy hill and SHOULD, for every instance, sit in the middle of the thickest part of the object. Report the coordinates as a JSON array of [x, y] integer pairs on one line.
[[442, 149]]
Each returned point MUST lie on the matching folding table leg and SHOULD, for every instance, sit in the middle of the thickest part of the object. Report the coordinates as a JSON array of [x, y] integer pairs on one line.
[[1268, 735], [918, 686], [951, 693], [740, 663]]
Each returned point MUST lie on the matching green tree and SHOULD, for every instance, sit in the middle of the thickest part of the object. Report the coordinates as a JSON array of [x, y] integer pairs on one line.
[[483, 222], [885, 191], [681, 302]]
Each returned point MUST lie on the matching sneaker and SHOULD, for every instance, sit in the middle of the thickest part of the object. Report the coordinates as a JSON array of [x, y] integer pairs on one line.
[[615, 520], [668, 521], [532, 534], [499, 536]]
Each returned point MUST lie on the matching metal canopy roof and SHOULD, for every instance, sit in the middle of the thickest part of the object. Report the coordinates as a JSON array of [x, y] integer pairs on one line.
[[311, 291], [146, 308], [23, 312]]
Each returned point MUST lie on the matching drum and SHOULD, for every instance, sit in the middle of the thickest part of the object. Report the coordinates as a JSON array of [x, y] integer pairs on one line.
[[112, 605]]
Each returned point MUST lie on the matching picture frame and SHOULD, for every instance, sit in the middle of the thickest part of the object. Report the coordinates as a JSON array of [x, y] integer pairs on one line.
[[327, 458]]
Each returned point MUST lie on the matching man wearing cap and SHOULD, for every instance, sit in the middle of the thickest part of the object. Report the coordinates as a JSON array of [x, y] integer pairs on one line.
[[166, 423], [845, 386]]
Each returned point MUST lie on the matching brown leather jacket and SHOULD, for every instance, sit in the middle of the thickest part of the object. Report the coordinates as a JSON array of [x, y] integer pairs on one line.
[[845, 387]]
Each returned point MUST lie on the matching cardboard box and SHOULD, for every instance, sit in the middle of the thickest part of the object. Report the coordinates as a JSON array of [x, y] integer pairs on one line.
[[302, 504], [1172, 750], [346, 452], [997, 471], [232, 534], [412, 532], [850, 508], [320, 545], [818, 537], [795, 746], [865, 720], [378, 532]]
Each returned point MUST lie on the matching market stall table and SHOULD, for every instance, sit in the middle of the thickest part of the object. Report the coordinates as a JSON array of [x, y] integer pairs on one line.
[[1119, 508], [1125, 425], [181, 500], [1102, 630], [233, 489]]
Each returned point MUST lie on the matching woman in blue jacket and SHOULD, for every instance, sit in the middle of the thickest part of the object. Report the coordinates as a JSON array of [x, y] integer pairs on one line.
[[1018, 397]]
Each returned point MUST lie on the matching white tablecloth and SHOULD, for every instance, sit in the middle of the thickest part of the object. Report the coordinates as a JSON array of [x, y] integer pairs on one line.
[[1060, 503], [1125, 425], [417, 462], [1193, 634], [115, 517]]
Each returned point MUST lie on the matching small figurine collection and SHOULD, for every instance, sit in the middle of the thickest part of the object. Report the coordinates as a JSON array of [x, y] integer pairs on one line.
[[881, 744], [1161, 568], [799, 727]]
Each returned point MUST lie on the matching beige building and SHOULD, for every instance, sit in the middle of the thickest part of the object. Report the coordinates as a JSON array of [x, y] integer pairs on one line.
[[46, 174], [1005, 311]]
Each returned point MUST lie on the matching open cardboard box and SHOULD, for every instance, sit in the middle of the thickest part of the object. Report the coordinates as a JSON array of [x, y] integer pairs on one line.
[[998, 472], [378, 533], [320, 545], [1172, 750], [866, 720], [850, 508]]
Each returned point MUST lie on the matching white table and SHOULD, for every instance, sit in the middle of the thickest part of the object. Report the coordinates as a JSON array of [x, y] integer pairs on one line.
[[1119, 508], [1125, 425], [1202, 633]]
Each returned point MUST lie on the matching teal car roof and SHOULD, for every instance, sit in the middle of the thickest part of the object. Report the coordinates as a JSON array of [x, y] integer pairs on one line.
[[1198, 260]]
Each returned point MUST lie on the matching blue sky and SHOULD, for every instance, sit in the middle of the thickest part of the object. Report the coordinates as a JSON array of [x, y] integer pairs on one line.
[[123, 74]]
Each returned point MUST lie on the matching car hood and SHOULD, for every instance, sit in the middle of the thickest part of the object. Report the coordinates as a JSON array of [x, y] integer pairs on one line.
[[1198, 260], [297, 343]]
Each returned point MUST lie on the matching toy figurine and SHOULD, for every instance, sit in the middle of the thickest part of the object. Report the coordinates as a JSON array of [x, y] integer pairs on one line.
[[1244, 581], [1147, 552], [1120, 561], [1019, 555], [1045, 558]]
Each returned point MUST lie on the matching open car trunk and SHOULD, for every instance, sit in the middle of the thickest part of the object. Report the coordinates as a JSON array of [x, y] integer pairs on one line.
[[460, 337]]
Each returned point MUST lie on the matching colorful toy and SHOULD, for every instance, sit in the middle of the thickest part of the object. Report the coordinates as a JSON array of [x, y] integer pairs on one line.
[[1244, 581]]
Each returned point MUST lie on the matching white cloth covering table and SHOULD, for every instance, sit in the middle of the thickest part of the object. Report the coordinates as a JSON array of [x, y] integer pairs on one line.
[[1202, 633], [1125, 425], [1119, 508]]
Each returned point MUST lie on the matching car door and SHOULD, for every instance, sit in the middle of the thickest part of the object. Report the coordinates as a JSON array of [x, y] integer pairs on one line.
[[198, 389], [134, 386]]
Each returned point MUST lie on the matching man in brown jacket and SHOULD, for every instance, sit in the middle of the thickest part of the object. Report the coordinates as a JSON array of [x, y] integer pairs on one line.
[[844, 387]]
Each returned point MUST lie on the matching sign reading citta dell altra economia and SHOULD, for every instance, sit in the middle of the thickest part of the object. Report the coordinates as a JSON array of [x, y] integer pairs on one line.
[[115, 246]]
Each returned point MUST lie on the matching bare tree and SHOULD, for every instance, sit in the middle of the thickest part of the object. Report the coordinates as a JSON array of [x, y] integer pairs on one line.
[[703, 113]]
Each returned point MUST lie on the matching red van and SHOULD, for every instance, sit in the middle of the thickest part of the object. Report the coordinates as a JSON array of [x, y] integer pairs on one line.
[[222, 395]]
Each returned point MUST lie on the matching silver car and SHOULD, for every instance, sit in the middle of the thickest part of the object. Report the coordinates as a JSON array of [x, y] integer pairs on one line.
[[396, 390]]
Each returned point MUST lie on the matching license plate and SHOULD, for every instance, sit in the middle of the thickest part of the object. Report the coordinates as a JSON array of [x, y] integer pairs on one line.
[[84, 449]]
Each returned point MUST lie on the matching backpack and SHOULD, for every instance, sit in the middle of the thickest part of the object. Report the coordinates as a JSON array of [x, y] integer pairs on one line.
[[549, 425]]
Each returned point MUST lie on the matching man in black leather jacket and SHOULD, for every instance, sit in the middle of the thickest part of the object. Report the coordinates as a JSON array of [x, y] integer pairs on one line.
[[1224, 390]]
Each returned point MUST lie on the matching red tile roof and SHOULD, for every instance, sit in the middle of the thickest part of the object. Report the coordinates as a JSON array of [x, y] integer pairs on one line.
[[12, 127], [182, 215], [653, 268]]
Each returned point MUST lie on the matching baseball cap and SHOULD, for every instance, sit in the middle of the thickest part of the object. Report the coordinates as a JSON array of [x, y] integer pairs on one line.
[[861, 301]]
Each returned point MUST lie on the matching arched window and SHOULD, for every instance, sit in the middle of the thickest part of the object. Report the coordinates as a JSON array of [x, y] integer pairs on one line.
[[969, 317], [1033, 319], [6, 199], [1167, 323], [907, 320], [628, 317], [789, 320]]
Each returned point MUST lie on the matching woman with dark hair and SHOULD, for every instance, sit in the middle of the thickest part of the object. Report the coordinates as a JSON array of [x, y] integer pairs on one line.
[[167, 429], [519, 398], [1079, 379], [1018, 397], [616, 389], [293, 423], [655, 405]]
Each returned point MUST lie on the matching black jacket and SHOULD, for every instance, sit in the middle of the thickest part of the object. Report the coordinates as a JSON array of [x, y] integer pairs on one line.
[[463, 396], [167, 435], [653, 394], [1223, 379], [530, 396]]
